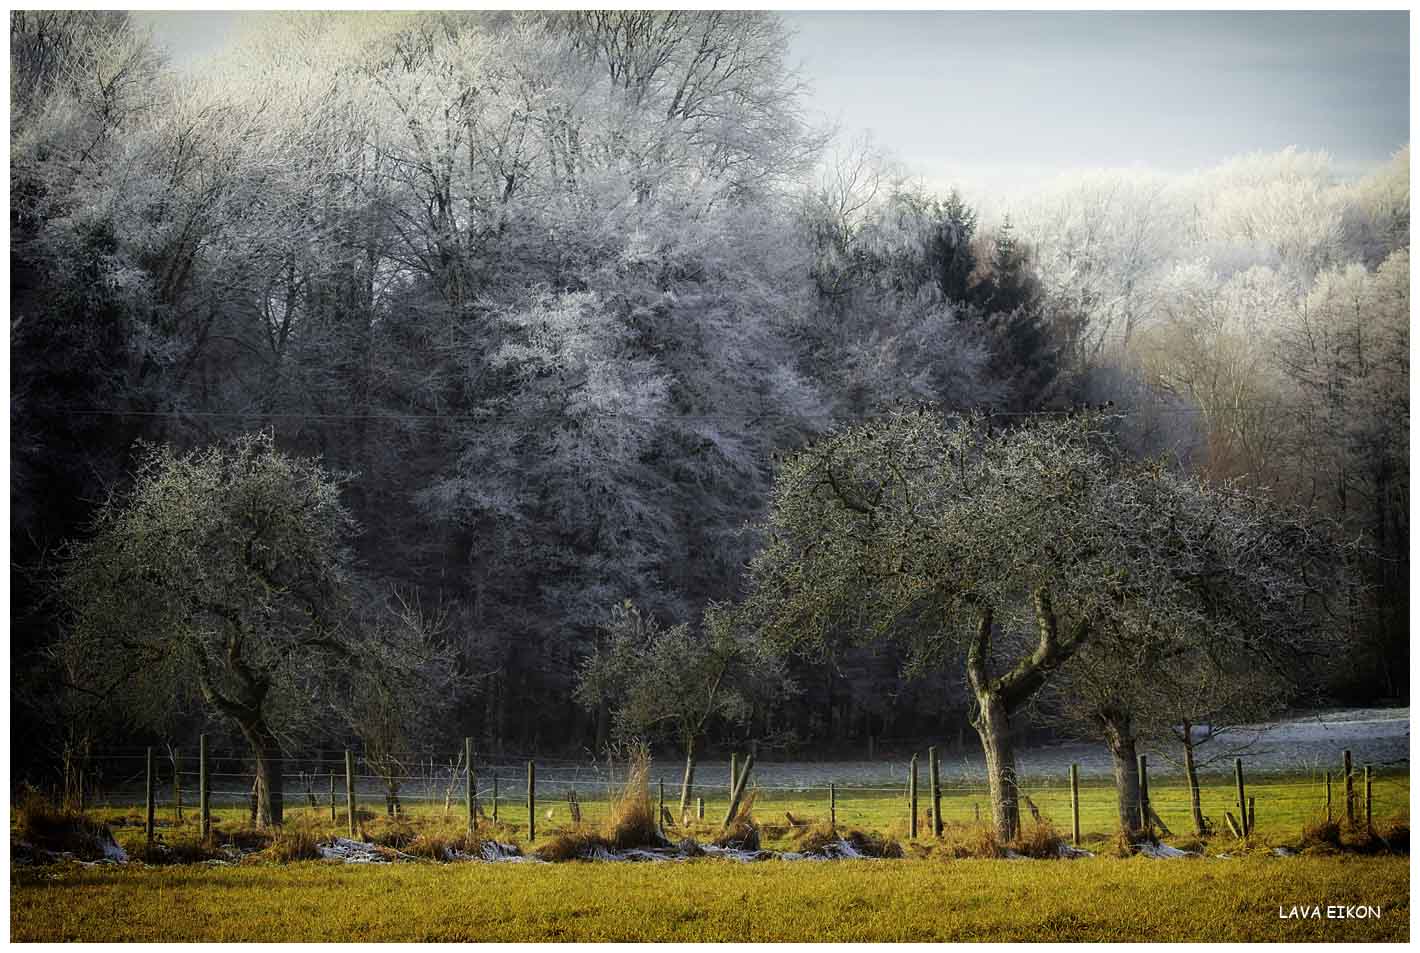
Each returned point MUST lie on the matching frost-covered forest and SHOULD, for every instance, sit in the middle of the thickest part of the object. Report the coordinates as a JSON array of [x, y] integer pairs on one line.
[[558, 292]]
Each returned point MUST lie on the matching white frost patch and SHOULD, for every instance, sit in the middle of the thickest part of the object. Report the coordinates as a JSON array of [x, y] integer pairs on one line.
[[1283, 852], [837, 850], [496, 851], [351, 852], [1163, 851], [1074, 853], [112, 852], [735, 853]]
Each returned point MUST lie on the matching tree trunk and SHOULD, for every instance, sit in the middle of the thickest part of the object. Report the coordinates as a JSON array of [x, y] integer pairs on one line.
[[1119, 737], [687, 782], [269, 766], [993, 724], [1190, 770], [997, 697]]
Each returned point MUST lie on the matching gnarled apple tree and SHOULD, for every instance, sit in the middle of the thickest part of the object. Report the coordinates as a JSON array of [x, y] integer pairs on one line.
[[1007, 549], [224, 576]]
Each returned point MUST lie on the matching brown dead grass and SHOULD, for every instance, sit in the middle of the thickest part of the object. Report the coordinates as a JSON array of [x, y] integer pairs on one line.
[[874, 845], [177, 852], [742, 833], [244, 838], [443, 845], [40, 823], [1038, 840], [293, 842], [961, 840], [630, 822], [815, 837], [395, 832], [1389, 836]]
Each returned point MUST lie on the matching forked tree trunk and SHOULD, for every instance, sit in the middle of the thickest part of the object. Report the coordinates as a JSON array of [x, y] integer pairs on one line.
[[1190, 770], [1123, 750], [269, 766], [998, 697], [687, 783], [993, 724]]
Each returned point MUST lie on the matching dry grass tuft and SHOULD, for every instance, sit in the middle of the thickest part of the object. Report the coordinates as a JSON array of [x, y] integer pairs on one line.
[[572, 844], [632, 819], [1391, 836], [178, 852], [1120, 845], [1394, 833], [742, 833], [961, 841], [1038, 840], [630, 823], [293, 842], [874, 845], [245, 838], [815, 837], [40, 823], [444, 845], [1321, 833], [395, 832]]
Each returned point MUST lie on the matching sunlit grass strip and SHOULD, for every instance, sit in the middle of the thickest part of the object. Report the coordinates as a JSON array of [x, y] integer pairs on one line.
[[1285, 806], [931, 900]]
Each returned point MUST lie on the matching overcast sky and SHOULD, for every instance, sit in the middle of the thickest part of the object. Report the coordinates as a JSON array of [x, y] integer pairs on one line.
[[1006, 99]]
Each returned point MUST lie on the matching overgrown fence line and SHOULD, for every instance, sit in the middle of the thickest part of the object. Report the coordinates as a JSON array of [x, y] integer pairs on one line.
[[546, 793]]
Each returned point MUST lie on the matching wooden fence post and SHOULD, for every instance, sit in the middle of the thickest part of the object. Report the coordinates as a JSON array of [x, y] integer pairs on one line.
[[1075, 803], [912, 796], [1328, 797], [1350, 788], [148, 788], [332, 797], [177, 783], [832, 807], [495, 797], [350, 791], [700, 809], [934, 777], [204, 789], [1369, 829], [532, 803], [661, 806], [1242, 797], [739, 789], [1144, 792], [734, 773], [1251, 813], [468, 781]]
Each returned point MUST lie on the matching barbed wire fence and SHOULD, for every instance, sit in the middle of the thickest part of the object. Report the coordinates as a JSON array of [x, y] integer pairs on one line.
[[522, 790]]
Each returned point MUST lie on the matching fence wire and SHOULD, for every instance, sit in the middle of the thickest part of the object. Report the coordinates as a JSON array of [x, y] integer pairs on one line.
[[428, 783]]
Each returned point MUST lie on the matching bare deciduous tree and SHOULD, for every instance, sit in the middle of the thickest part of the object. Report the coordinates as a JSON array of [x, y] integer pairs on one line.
[[1011, 550], [225, 576]]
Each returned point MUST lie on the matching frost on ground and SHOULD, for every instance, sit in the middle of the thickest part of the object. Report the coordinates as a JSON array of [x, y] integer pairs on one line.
[[25, 854], [358, 852], [1163, 852], [689, 849], [355, 852], [1073, 853], [112, 852]]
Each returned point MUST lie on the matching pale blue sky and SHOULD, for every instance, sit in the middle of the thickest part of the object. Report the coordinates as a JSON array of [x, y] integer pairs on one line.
[[1007, 99], [1023, 95]]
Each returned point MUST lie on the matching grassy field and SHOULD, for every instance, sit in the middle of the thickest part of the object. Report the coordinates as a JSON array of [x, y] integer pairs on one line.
[[1284, 805], [1234, 893], [1099, 899]]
